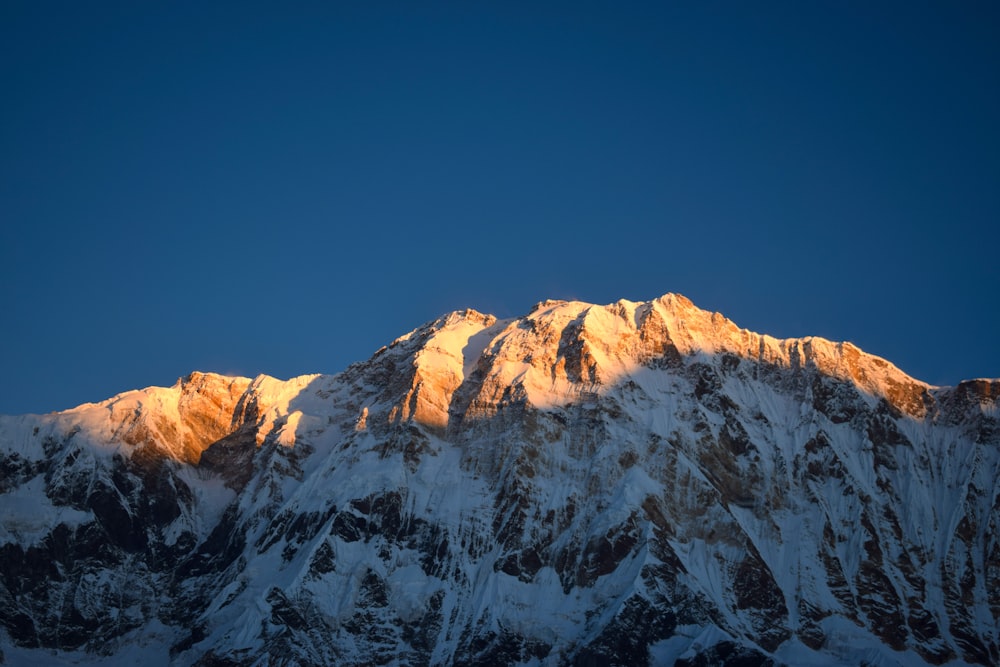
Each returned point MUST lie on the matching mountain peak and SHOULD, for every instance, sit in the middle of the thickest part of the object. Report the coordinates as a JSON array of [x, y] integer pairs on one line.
[[562, 348], [631, 483]]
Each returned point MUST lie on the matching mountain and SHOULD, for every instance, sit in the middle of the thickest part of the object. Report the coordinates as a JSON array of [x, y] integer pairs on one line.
[[637, 483]]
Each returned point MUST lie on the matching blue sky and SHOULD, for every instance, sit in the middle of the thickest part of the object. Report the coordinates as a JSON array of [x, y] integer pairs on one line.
[[283, 188]]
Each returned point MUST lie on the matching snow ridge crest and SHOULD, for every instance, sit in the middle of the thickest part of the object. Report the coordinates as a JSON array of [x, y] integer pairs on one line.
[[563, 347], [630, 483]]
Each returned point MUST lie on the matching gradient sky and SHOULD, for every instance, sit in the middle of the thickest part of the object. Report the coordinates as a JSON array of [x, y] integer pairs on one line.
[[283, 188]]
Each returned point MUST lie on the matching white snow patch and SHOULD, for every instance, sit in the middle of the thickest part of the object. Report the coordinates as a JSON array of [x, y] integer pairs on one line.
[[28, 515]]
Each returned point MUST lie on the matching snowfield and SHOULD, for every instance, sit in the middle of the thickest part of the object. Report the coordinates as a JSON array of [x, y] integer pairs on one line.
[[637, 483]]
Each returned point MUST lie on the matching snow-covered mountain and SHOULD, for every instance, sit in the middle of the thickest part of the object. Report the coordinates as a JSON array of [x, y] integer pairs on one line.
[[637, 483]]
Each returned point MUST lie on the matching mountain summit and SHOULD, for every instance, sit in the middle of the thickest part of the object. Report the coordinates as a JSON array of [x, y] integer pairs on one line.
[[636, 483]]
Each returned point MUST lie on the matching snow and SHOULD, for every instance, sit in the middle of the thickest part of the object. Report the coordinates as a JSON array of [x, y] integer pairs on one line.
[[148, 646], [669, 651], [29, 516], [212, 497], [564, 411]]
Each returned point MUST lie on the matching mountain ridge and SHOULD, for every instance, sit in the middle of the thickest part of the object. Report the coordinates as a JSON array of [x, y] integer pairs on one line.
[[636, 482], [838, 358]]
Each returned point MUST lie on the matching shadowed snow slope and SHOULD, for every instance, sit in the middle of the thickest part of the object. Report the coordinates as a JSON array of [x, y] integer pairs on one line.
[[637, 483]]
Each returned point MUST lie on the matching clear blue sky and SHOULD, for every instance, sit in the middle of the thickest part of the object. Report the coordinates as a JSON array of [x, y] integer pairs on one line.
[[282, 188]]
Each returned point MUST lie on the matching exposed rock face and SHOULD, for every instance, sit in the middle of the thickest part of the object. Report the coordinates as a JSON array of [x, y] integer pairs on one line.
[[639, 483]]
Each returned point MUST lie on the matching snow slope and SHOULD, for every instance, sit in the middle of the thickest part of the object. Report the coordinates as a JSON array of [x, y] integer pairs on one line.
[[637, 483]]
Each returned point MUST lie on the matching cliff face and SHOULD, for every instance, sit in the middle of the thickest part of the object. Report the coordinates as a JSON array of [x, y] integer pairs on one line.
[[625, 484]]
